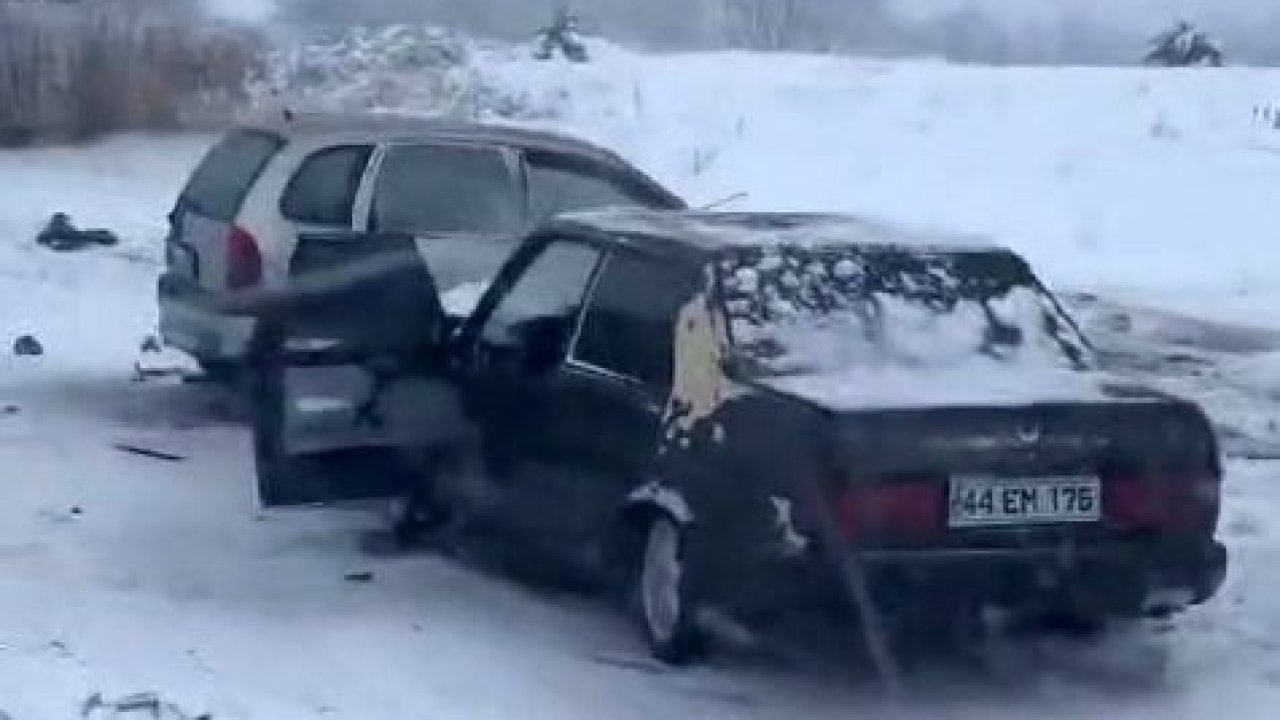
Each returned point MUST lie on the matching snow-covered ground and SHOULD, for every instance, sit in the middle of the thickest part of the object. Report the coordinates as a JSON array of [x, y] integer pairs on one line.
[[122, 573]]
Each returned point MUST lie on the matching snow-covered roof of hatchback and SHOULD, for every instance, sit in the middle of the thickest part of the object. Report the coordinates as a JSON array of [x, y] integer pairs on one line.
[[714, 230], [378, 127]]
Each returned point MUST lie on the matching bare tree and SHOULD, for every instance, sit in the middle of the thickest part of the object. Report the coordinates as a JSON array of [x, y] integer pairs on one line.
[[765, 24]]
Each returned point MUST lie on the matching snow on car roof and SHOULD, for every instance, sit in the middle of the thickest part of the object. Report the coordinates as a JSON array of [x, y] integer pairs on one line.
[[712, 230]]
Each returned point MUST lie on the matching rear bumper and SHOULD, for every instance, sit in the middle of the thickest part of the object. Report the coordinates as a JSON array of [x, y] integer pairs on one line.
[[1112, 580], [190, 320]]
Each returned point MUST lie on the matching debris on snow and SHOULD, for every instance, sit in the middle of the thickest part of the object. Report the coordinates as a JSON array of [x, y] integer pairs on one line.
[[358, 577], [150, 344], [27, 346], [62, 235], [137, 705], [148, 452]]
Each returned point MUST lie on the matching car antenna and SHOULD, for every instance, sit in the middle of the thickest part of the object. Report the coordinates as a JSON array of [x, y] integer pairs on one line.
[[727, 200]]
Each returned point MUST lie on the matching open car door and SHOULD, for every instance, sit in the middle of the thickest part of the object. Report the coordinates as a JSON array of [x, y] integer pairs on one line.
[[347, 372]]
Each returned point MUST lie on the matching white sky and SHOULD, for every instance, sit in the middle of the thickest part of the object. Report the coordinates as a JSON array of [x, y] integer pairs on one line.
[[245, 10], [1137, 13]]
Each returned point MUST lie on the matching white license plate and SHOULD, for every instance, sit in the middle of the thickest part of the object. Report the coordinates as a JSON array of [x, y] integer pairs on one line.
[[985, 501]]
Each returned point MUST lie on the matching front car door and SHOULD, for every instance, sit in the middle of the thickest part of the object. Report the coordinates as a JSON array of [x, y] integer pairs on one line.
[[516, 345]]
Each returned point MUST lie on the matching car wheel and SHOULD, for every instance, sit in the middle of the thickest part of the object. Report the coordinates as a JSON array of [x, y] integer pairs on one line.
[[664, 603]]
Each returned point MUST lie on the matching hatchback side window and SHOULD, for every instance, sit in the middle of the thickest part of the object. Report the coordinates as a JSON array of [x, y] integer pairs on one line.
[[448, 189], [629, 326], [546, 297], [559, 184], [324, 188]]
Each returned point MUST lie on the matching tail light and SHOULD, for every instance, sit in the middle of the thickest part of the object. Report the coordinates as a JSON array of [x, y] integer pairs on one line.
[[244, 260], [898, 510], [1179, 504]]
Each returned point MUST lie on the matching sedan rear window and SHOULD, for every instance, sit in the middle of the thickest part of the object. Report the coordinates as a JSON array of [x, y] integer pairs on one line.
[[807, 310], [448, 189], [228, 171]]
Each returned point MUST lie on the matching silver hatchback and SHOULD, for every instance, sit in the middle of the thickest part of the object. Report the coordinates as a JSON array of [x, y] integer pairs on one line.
[[466, 191]]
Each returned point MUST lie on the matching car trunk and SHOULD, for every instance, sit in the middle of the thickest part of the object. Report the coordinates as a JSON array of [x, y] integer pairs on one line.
[[1034, 475]]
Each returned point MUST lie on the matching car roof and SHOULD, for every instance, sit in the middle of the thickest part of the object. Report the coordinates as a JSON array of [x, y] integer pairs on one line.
[[707, 233], [320, 128]]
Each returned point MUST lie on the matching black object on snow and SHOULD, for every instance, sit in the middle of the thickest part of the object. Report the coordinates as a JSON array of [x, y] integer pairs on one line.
[[1183, 45], [358, 577], [151, 344], [27, 346], [62, 235], [561, 35], [148, 452], [139, 705]]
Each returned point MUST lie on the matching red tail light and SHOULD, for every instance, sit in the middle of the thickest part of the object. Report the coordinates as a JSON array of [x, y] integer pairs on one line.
[[907, 509], [244, 260], [1163, 503]]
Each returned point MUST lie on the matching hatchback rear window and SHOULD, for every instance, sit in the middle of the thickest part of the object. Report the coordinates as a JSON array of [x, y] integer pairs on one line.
[[224, 177]]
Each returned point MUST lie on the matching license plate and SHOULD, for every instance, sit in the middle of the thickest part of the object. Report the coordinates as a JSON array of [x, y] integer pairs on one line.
[[986, 501]]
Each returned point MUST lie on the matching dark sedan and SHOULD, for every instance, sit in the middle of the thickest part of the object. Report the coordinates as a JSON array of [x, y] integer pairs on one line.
[[747, 411]]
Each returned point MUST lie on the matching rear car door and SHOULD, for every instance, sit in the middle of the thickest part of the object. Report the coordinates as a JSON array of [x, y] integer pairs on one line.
[[575, 434], [202, 222], [605, 421]]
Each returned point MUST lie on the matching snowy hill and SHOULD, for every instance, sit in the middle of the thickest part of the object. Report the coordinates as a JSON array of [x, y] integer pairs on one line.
[[122, 573], [1134, 180]]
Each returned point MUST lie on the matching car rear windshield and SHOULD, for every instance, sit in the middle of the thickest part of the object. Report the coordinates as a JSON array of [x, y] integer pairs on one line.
[[817, 310], [448, 189], [228, 171]]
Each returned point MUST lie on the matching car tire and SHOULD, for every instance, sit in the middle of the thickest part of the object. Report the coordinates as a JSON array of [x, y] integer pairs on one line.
[[664, 603]]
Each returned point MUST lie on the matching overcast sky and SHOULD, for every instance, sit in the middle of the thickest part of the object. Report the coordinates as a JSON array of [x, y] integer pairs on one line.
[[1135, 13]]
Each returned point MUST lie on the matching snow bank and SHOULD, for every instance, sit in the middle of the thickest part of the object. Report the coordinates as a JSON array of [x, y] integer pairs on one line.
[[1135, 180]]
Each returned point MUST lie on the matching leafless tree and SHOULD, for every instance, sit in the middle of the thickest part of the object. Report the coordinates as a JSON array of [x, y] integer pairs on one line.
[[764, 24]]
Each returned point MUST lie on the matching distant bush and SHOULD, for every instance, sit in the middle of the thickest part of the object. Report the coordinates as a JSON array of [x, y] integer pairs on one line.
[[406, 68], [72, 70]]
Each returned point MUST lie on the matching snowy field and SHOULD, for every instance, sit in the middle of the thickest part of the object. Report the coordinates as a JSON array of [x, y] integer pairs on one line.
[[121, 573]]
